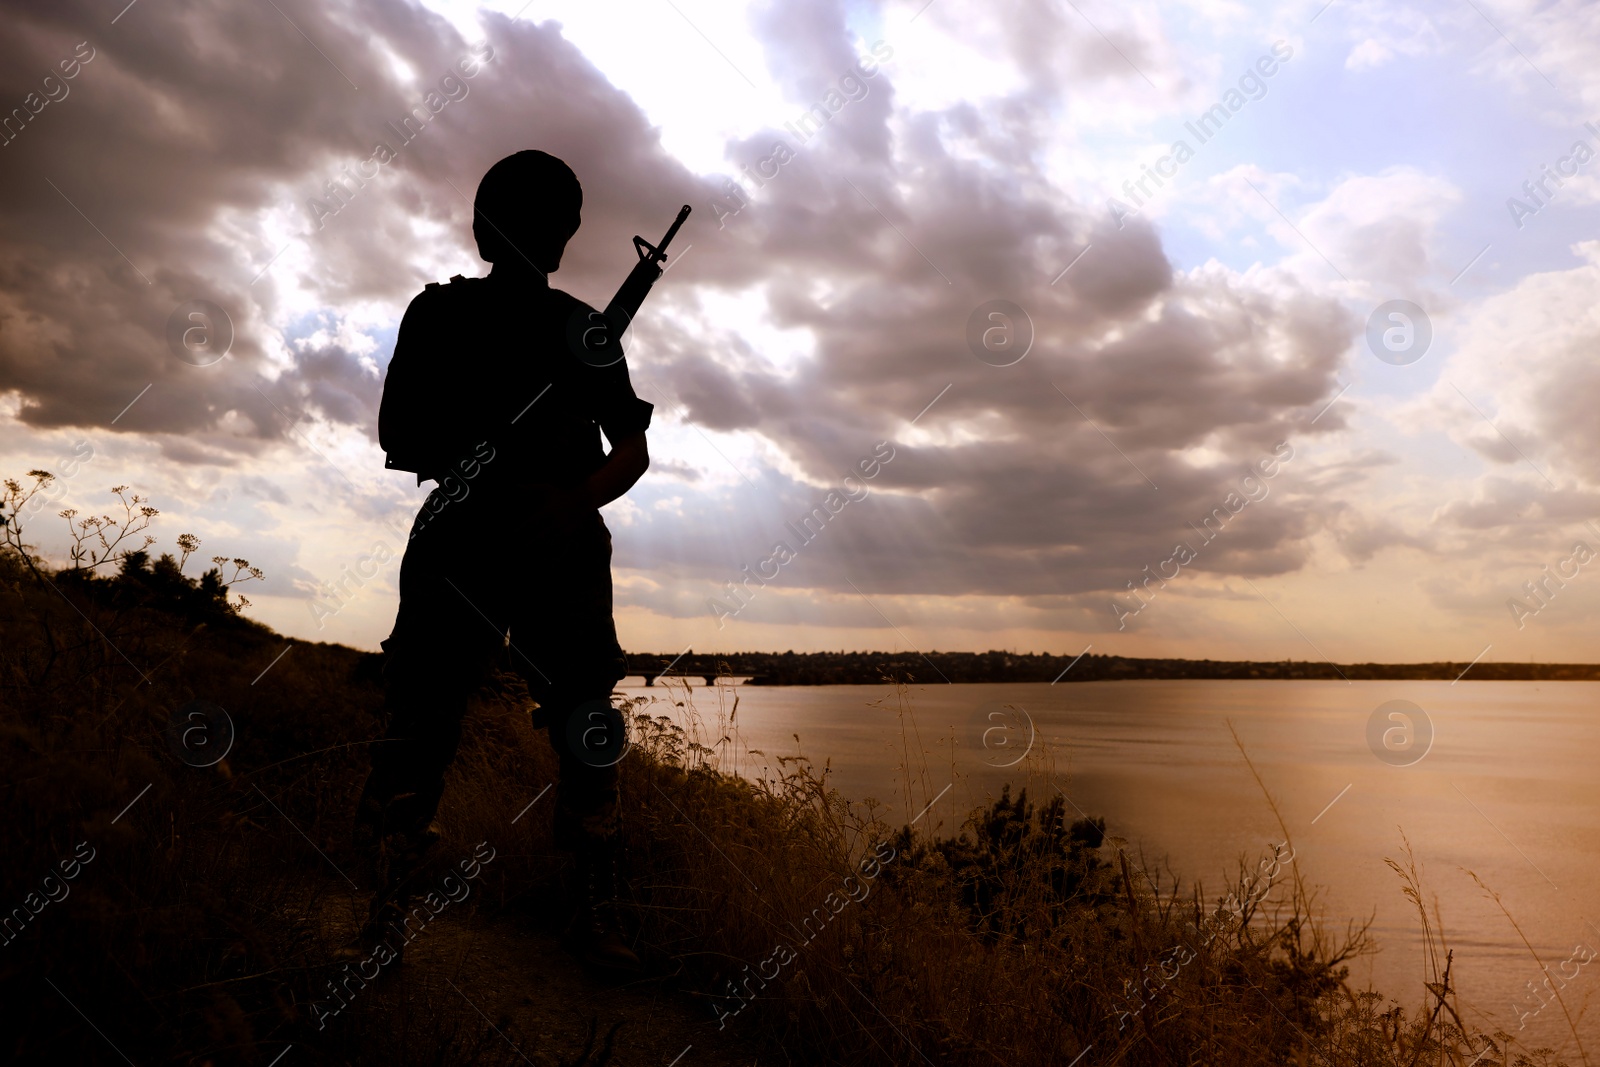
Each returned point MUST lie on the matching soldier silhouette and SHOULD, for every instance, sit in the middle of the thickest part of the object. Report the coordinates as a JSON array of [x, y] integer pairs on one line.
[[509, 557]]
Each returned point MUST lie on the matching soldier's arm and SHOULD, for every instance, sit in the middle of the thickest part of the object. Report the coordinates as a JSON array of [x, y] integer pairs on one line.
[[623, 418], [624, 466]]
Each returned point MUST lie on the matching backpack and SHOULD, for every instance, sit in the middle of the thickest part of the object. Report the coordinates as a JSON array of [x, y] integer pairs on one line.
[[419, 414]]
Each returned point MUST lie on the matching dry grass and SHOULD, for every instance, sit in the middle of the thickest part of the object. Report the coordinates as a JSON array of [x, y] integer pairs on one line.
[[787, 913]]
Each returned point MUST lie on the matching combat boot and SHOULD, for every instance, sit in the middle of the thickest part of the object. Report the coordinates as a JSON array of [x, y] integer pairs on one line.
[[367, 833], [600, 938], [405, 850], [399, 856]]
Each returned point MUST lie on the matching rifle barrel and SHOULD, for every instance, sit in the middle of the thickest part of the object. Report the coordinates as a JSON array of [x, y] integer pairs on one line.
[[683, 213]]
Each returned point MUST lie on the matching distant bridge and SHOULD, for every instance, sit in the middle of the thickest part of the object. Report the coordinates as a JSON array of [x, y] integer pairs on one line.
[[692, 668]]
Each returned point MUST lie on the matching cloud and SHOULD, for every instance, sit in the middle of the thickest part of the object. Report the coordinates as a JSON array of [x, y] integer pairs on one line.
[[194, 139], [183, 159], [1369, 53], [1381, 32], [1526, 363]]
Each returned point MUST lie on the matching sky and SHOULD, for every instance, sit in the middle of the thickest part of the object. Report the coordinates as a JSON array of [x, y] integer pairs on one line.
[[1205, 330]]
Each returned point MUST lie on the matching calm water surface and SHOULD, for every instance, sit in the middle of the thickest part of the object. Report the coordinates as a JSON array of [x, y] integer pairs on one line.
[[1507, 790]]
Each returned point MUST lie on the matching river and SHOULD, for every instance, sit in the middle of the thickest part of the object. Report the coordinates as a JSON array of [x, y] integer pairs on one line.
[[1505, 787]]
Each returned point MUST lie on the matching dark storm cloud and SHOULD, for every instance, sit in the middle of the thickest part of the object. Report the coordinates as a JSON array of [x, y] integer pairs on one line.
[[1018, 491], [196, 123]]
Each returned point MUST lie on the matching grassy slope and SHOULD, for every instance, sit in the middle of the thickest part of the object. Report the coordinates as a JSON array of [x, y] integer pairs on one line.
[[774, 913]]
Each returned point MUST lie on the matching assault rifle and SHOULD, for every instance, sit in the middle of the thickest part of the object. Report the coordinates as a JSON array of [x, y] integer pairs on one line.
[[593, 341]]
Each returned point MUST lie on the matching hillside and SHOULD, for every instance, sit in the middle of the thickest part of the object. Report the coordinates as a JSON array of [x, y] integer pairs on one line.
[[178, 785]]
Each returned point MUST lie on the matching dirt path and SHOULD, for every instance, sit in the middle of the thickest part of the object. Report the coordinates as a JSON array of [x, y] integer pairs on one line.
[[518, 977]]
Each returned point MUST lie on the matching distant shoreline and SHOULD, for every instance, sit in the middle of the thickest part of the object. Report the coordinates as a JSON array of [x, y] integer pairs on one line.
[[871, 668]]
